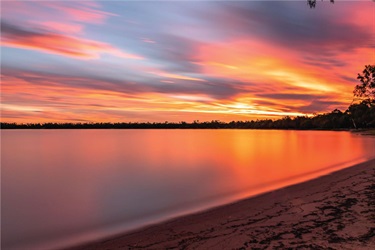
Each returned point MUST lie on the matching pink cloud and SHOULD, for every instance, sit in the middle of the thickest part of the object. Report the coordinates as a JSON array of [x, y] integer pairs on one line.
[[17, 37], [175, 76], [147, 40], [60, 27], [82, 13], [59, 11]]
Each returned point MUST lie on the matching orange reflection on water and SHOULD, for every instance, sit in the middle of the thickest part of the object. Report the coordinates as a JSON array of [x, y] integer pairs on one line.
[[272, 159], [61, 187]]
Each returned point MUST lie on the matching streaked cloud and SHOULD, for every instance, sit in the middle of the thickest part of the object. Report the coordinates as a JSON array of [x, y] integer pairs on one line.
[[18, 37], [83, 12], [158, 61], [59, 27], [88, 12], [175, 76]]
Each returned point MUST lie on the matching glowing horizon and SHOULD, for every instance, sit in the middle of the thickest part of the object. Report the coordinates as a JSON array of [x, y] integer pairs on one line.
[[113, 61]]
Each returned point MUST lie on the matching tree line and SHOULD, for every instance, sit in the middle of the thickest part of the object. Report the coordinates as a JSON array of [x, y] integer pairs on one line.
[[359, 115], [362, 115]]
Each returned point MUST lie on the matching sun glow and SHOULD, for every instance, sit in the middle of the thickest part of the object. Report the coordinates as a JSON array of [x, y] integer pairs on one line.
[[102, 61]]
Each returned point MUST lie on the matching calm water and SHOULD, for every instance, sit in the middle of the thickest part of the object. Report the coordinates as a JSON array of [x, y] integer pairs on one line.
[[61, 187]]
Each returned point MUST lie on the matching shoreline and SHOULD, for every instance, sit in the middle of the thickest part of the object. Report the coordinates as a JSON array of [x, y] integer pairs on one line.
[[334, 210]]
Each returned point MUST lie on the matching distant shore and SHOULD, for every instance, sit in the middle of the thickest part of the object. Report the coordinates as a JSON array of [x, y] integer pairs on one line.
[[336, 210], [319, 122]]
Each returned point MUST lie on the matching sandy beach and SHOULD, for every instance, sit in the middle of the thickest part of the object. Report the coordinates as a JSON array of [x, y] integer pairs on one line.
[[336, 211]]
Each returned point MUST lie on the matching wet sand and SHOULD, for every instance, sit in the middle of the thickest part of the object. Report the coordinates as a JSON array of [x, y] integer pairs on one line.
[[336, 211]]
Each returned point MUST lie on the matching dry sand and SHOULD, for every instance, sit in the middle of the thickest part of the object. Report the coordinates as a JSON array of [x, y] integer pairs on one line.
[[335, 211]]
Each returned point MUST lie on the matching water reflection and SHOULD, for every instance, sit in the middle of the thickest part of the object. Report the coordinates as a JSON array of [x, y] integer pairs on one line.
[[63, 186]]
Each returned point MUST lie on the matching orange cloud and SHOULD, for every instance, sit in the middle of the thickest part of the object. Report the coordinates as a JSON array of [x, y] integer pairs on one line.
[[250, 65], [273, 68], [49, 100], [280, 81]]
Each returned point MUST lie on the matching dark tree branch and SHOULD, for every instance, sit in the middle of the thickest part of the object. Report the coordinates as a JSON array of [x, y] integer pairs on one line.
[[312, 3]]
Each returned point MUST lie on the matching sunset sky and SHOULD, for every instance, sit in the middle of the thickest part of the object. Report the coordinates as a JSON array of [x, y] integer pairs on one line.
[[138, 61]]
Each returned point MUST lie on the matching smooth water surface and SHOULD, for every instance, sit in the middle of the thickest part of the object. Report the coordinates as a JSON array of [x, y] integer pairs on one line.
[[62, 187]]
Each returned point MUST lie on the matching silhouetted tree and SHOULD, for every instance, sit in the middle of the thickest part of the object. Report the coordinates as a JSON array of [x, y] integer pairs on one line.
[[366, 89], [362, 114]]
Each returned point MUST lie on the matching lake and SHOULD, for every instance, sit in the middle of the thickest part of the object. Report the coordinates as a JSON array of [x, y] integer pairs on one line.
[[63, 187]]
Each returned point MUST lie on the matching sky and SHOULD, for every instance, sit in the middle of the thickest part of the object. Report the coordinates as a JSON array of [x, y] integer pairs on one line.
[[156, 61]]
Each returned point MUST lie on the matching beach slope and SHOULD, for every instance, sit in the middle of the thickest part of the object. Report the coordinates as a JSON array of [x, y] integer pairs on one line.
[[333, 211]]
